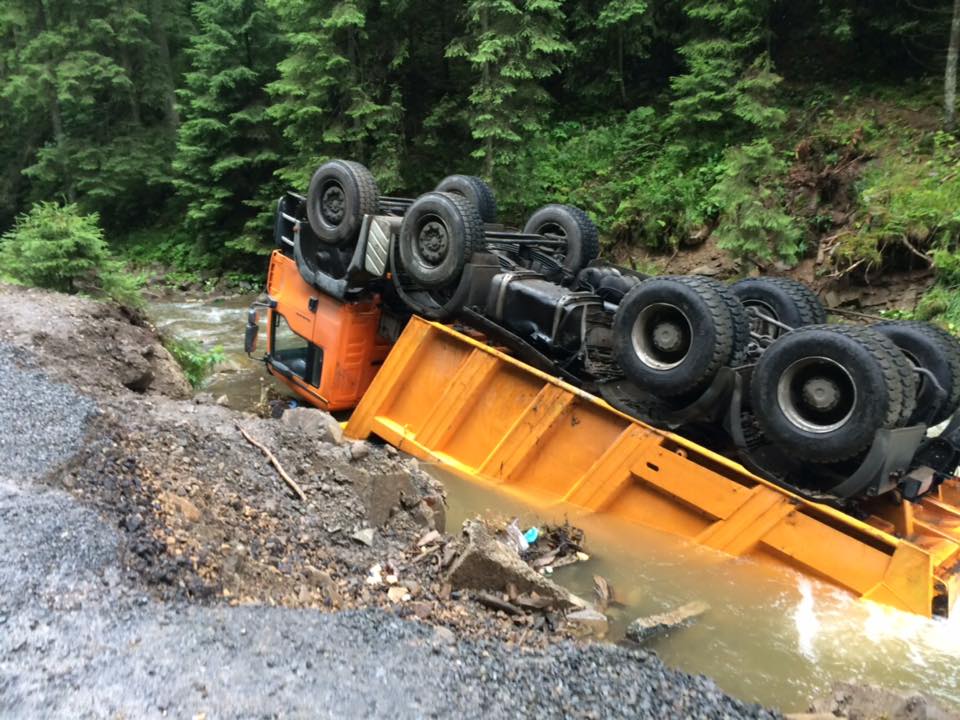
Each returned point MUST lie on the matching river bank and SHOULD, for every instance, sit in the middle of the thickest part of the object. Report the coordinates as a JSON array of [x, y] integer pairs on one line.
[[166, 569]]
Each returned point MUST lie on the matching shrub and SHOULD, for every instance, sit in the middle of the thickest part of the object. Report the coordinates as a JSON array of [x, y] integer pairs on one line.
[[58, 248], [752, 220], [197, 363]]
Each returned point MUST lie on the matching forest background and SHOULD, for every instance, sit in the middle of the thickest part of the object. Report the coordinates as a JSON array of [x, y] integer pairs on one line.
[[138, 132]]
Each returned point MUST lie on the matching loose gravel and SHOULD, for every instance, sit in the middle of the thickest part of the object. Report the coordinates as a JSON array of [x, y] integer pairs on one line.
[[42, 422], [80, 638]]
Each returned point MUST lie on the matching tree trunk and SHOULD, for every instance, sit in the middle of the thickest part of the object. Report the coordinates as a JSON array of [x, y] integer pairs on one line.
[[132, 95], [622, 82], [488, 141], [56, 118], [158, 25], [950, 76]]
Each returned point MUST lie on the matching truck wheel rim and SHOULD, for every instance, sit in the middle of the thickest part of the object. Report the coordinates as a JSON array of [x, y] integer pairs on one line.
[[662, 335], [817, 395], [332, 202], [432, 241], [759, 326]]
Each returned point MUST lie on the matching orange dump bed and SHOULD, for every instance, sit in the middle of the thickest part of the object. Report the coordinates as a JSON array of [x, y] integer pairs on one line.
[[446, 398]]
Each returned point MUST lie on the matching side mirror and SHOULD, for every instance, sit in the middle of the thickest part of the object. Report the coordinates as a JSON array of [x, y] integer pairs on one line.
[[253, 328]]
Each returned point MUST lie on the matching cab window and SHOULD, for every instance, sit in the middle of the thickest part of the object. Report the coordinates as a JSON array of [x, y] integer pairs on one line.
[[303, 358]]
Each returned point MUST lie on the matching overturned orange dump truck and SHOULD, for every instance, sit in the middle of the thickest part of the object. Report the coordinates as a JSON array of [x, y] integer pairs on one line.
[[514, 358]]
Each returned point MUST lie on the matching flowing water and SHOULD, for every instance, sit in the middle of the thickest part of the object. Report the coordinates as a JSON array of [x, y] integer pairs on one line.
[[217, 323], [771, 635]]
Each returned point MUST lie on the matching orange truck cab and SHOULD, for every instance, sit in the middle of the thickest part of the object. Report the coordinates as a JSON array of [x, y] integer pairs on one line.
[[324, 349]]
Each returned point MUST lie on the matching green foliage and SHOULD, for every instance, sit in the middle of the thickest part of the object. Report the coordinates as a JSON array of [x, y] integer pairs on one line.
[[511, 46], [227, 149], [752, 222], [335, 95], [76, 84], [59, 248], [197, 362], [180, 122], [912, 202], [728, 89]]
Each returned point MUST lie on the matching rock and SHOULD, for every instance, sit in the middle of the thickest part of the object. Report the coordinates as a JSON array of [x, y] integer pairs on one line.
[[223, 401], [398, 593], [588, 622], [180, 504], [643, 629], [322, 580], [381, 493], [443, 635], [364, 536], [868, 702], [484, 563], [431, 512], [315, 424], [708, 270], [430, 537], [359, 450], [421, 609]]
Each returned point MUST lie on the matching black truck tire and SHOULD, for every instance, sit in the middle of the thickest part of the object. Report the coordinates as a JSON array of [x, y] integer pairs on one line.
[[672, 334], [473, 189], [822, 392], [783, 299], [341, 193], [926, 347], [439, 234], [574, 226], [740, 318]]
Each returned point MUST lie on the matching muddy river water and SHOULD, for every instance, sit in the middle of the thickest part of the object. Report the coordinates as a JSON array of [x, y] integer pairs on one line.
[[771, 635]]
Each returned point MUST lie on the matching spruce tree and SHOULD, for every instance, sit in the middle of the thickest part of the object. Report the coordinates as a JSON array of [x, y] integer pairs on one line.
[[227, 148], [512, 47], [336, 95], [73, 76], [607, 35], [728, 87]]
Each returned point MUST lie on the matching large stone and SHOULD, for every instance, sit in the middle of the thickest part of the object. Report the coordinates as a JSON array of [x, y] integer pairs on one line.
[[314, 424], [868, 702], [381, 494], [646, 628], [485, 563], [588, 622]]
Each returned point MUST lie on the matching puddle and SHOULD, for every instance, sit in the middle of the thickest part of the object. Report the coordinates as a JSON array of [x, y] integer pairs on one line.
[[771, 636]]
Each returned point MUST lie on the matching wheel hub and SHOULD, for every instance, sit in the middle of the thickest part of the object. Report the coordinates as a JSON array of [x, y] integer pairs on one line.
[[821, 394], [817, 394], [667, 336], [433, 242], [332, 204], [662, 336]]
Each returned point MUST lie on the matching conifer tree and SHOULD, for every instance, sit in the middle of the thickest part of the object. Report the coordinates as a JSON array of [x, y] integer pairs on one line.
[[227, 148], [730, 79], [335, 95], [608, 33], [73, 78], [512, 47]]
